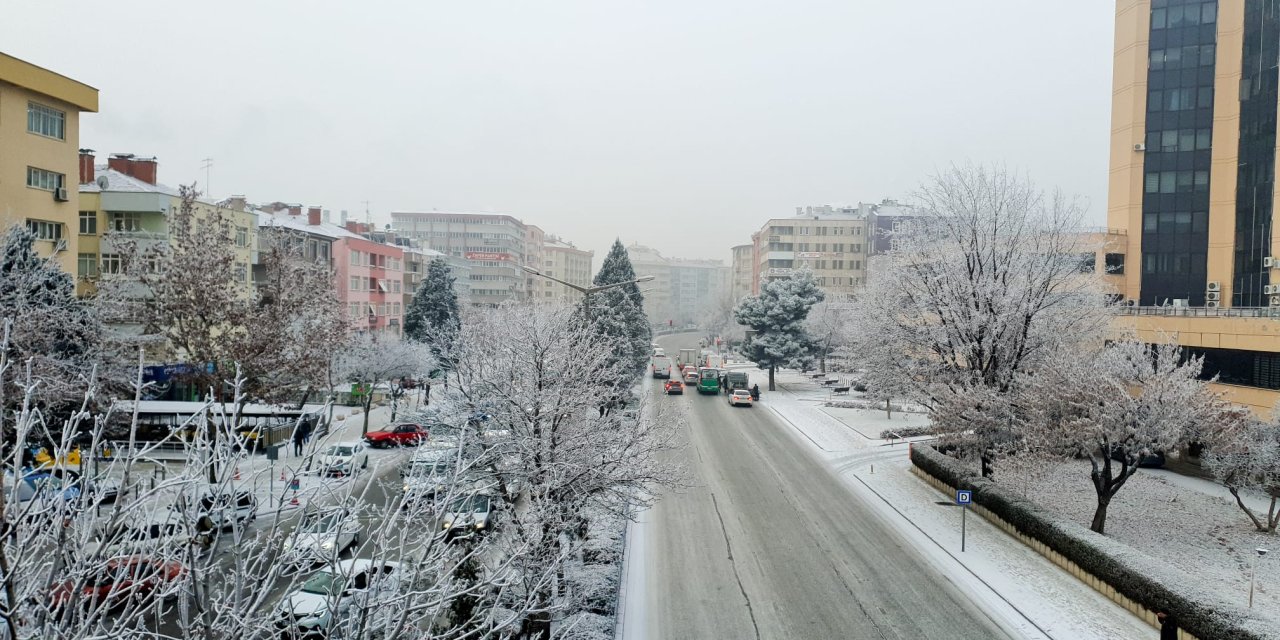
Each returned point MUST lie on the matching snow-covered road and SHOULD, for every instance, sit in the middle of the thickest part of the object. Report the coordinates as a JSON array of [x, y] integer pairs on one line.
[[786, 533]]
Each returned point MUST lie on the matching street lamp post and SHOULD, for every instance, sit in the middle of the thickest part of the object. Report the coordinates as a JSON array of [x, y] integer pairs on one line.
[[1253, 573], [586, 290]]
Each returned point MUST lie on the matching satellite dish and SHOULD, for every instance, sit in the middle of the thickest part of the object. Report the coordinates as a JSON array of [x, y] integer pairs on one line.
[[103, 183]]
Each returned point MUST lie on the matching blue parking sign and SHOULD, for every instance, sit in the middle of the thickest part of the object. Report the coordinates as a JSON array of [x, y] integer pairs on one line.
[[964, 497]]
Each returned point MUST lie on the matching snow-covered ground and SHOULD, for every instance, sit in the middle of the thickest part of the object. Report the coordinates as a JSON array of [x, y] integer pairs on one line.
[[1191, 523], [1008, 578]]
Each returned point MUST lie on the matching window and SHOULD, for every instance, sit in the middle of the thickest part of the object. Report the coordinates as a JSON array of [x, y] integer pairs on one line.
[[45, 230], [857, 265], [241, 271], [45, 121], [781, 231], [88, 223], [41, 179], [124, 221], [355, 283], [112, 263], [395, 286], [1114, 263], [855, 248], [355, 257], [242, 237], [837, 264], [87, 265]]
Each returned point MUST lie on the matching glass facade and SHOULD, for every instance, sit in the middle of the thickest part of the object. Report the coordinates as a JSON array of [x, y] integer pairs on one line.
[[1255, 182], [1175, 202]]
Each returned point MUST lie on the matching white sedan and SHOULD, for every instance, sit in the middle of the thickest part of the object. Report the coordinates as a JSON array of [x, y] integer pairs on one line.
[[321, 537], [332, 599], [740, 397], [344, 458]]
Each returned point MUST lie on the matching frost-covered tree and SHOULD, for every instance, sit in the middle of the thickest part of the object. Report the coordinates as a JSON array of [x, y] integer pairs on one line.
[[1244, 455], [829, 325], [985, 283], [1116, 406], [47, 324], [617, 314], [552, 457], [432, 317], [777, 316], [370, 360]]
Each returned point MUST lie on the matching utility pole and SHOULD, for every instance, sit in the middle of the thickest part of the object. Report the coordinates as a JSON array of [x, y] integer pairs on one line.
[[207, 165], [367, 219]]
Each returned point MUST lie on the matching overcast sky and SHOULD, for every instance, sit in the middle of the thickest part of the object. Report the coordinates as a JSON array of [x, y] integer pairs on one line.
[[682, 125]]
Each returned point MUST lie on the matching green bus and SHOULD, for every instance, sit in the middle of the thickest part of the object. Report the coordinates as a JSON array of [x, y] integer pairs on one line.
[[708, 380]]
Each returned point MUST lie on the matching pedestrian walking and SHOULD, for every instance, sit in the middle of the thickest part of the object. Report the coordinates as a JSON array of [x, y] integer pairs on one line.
[[297, 440], [1168, 626], [755, 391], [308, 427]]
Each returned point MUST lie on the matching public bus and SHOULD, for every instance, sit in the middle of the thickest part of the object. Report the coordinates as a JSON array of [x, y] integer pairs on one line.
[[708, 380]]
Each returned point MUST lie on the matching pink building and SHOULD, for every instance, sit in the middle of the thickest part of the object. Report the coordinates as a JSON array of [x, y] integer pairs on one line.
[[370, 280]]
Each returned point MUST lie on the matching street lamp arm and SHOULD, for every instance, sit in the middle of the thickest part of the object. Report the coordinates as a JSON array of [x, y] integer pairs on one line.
[[567, 284], [611, 285]]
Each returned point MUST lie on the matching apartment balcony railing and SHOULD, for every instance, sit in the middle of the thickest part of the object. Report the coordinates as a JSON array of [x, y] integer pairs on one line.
[[1200, 312]]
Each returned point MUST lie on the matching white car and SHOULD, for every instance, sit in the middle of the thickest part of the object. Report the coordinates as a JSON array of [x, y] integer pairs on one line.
[[224, 510], [468, 516], [344, 458], [740, 397], [321, 537], [426, 478], [333, 596]]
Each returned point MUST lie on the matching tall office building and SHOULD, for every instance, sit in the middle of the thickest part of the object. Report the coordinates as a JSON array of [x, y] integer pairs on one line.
[[1193, 162], [492, 247]]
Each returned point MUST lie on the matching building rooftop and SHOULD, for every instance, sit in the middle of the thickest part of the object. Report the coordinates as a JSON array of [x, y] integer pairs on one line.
[[118, 182], [299, 223], [55, 85]]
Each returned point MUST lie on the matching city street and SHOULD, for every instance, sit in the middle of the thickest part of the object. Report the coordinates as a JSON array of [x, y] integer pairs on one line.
[[767, 543]]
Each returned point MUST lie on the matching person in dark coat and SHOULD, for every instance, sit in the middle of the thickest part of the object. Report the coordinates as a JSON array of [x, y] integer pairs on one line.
[[755, 392], [1168, 626], [298, 439]]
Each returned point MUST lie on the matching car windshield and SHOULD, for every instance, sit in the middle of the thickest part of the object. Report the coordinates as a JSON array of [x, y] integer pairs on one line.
[[321, 522], [323, 583], [338, 450], [474, 504]]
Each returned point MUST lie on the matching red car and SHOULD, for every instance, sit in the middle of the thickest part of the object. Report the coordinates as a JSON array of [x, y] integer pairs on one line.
[[674, 387], [120, 579], [401, 435]]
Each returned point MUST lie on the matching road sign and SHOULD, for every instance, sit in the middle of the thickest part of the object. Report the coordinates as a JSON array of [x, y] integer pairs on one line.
[[964, 497]]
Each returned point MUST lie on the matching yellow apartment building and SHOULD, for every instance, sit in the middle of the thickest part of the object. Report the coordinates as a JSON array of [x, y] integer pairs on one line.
[[39, 143], [1192, 185], [560, 259]]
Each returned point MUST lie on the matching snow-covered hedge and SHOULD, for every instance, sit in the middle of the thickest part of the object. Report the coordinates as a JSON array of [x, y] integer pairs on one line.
[[1155, 585], [905, 432]]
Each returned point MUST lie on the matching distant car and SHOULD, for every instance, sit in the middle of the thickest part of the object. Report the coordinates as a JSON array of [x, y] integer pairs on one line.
[[691, 375], [674, 388], [321, 537], [468, 516], [1153, 460], [225, 510], [121, 579], [428, 476], [344, 458], [740, 397], [659, 351], [54, 486], [335, 596], [401, 435]]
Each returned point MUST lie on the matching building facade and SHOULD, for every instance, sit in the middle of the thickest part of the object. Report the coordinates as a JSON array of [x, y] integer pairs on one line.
[[829, 241], [562, 260], [39, 154], [744, 262], [682, 291], [491, 246], [1191, 194]]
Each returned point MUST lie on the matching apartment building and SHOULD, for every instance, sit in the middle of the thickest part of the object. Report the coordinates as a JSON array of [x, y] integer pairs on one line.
[[832, 242], [372, 282], [1192, 185], [562, 260], [39, 143], [682, 291], [491, 246], [744, 262], [122, 205]]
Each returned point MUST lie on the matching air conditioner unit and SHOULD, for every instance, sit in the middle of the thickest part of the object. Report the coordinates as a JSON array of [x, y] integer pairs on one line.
[[60, 194], [1212, 304], [1212, 296], [1139, 147], [1275, 301], [1268, 262], [1268, 289], [1213, 285]]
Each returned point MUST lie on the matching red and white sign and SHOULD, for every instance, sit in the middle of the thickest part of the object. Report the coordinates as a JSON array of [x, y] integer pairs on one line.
[[490, 257]]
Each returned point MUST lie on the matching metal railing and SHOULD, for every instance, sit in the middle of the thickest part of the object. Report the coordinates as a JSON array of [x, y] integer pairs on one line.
[[1200, 312]]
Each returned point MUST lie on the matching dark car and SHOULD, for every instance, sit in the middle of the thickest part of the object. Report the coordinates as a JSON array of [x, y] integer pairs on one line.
[[401, 435], [674, 387], [1153, 460]]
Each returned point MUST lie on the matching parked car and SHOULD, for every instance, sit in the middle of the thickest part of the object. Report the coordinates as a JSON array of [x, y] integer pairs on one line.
[[398, 436], [225, 510], [690, 375], [1153, 460], [468, 516], [334, 595], [120, 579], [428, 476], [166, 533], [321, 537], [430, 451], [674, 388], [740, 397], [344, 458], [56, 486]]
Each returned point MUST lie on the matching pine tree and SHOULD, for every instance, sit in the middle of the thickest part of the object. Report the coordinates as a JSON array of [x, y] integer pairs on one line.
[[47, 325], [432, 317], [619, 312], [777, 316]]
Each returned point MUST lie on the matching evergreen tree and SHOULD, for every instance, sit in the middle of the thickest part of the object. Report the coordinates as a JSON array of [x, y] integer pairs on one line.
[[777, 316], [432, 317], [47, 325], [619, 312]]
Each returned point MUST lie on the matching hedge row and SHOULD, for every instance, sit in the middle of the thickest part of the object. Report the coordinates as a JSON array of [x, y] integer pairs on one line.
[[906, 432], [1149, 582]]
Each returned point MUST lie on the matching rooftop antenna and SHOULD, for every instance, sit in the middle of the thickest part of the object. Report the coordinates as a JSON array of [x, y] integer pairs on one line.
[[367, 219], [207, 165]]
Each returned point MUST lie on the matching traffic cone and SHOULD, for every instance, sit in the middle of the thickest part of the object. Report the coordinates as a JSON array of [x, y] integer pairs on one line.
[[282, 478], [294, 500]]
